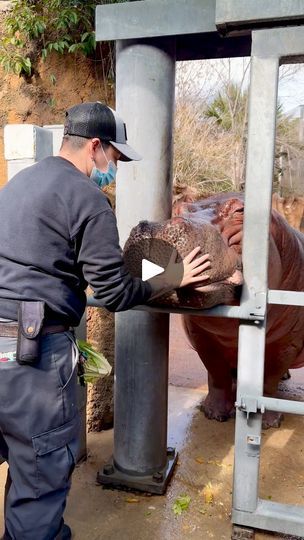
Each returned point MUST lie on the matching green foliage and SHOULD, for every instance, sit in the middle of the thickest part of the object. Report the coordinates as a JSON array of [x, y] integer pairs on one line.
[[228, 108], [34, 29]]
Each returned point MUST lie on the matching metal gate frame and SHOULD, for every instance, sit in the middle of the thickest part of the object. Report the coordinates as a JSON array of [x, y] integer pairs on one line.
[[151, 35], [269, 49]]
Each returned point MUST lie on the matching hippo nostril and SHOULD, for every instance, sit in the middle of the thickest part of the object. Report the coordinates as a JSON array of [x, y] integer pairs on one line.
[[239, 266]]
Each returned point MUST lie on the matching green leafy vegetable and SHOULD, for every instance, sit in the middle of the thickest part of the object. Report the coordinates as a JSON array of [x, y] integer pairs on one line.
[[94, 364], [181, 504]]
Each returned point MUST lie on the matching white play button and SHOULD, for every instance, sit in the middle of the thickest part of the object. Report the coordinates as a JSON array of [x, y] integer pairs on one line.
[[150, 269]]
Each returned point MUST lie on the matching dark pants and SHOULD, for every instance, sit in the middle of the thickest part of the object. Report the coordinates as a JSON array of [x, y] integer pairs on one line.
[[39, 437]]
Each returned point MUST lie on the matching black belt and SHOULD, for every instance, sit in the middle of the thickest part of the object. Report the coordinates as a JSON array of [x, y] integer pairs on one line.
[[11, 330]]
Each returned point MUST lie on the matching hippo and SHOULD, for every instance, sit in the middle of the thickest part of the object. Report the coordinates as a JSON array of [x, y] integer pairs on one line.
[[216, 224]]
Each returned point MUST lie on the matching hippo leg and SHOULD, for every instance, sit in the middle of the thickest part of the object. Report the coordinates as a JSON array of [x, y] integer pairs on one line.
[[272, 419], [219, 403]]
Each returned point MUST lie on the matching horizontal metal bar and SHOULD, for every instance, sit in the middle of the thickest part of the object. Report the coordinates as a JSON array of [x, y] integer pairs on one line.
[[282, 405], [133, 20], [289, 298], [263, 403], [273, 516], [231, 312], [239, 14]]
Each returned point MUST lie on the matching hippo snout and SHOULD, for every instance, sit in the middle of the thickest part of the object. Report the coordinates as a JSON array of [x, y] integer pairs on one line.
[[155, 241]]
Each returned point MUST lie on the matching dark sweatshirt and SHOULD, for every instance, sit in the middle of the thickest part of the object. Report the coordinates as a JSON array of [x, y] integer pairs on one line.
[[58, 233]]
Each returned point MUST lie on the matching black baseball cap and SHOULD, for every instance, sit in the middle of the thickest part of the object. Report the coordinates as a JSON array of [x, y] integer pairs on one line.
[[95, 119]]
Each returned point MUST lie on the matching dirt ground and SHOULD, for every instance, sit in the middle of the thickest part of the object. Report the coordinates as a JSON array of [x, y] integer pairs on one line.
[[204, 470]]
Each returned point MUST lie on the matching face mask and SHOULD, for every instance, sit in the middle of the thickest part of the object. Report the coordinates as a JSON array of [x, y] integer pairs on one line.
[[104, 178]]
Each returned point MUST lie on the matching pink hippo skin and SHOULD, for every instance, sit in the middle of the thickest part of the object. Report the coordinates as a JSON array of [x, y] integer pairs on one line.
[[216, 225]]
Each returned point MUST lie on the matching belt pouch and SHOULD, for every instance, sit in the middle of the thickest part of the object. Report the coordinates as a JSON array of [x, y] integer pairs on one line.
[[30, 321]]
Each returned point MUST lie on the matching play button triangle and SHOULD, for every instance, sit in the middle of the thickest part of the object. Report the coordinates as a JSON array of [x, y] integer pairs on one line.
[[150, 269]]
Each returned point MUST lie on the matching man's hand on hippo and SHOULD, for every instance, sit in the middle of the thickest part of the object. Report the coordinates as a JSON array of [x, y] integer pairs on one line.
[[180, 274]]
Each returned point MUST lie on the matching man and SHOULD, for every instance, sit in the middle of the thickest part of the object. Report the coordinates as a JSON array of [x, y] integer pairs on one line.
[[58, 234]]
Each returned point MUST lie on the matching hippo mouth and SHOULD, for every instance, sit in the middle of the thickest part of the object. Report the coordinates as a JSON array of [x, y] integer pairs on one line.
[[235, 280], [223, 291]]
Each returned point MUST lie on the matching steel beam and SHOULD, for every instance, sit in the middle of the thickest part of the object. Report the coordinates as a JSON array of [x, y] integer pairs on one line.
[[193, 25], [133, 20], [272, 516], [285, 44], [289, 298], [259, 171], [231, 312], [263, 404], [240, 16]]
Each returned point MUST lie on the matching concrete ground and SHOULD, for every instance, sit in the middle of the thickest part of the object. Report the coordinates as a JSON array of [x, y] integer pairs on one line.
[[204, 470]]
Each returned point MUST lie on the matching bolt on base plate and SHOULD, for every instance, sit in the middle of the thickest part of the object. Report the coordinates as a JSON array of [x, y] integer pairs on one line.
[[242, 533], [155, 483]]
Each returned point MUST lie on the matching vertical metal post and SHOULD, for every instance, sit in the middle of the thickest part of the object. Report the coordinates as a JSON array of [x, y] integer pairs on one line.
[[145, 88], [301, 125], [259, 175], [140, 424], [145, 93]]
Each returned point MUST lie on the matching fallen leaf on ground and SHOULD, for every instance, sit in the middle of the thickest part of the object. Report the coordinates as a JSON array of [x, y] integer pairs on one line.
[[208, 493], [217, 463]]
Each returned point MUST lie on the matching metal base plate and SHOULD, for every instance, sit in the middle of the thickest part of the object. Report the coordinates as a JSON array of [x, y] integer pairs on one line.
[[155, 483]]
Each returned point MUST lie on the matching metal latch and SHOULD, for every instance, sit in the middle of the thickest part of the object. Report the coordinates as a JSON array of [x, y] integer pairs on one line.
[[250, 405], [259, 305]]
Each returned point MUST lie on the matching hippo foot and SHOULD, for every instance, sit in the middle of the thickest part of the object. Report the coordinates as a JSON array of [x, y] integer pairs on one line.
[[286, 376], [272, 419], [218, 406]]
